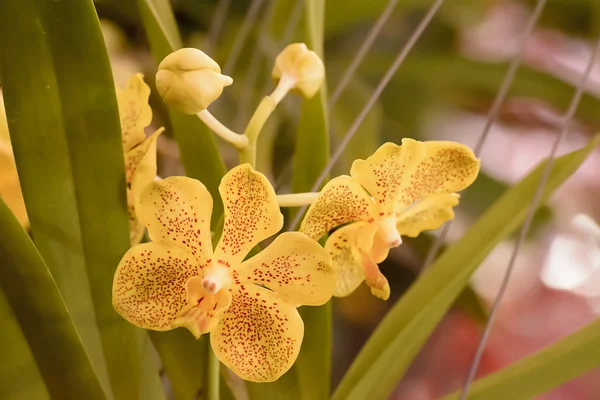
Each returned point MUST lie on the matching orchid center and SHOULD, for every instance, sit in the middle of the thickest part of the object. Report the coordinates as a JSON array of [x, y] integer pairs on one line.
[[387, 232], [215, 277]]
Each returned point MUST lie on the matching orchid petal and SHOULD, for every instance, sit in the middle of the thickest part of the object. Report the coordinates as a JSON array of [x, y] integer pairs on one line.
[[342, 200], [177, 211], [427, 214], [149, 284], [259, 335], [351, 249], [251, 213], [134, 110], [293, 266], [397, 176]]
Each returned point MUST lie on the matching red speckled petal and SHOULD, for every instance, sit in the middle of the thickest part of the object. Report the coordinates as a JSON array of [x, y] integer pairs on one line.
[[259, 335], [342, 200], [149, 284], [134, 110], [295, 267], [177, 211], [251, 213], [142, 158], [400, 175], [426, 214]]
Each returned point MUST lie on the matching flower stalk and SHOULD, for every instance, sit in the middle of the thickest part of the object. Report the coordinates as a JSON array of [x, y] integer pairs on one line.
[[297, 199]]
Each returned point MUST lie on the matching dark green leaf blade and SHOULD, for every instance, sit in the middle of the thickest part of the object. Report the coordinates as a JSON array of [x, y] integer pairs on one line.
[[43, 316], [65, 128]]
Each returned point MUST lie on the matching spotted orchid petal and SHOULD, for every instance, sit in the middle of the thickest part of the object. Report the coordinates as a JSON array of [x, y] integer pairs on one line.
[[342, 200], [259, 336], [427, 214], [397, 176], [251, 213], [134, 110], [10, 187], [293, 266], [149, 284], [140, 165], [355, 254], [176, 210]]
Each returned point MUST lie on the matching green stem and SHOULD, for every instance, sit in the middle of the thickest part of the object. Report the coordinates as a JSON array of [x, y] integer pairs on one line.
[[262, 113], [211, 383]]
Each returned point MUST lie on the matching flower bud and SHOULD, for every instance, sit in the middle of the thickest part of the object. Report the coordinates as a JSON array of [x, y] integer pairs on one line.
[[190, 80], [302, 67]]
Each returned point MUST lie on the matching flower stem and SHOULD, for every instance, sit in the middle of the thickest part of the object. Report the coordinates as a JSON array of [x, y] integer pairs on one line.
[[296, 199], [240, 142], [260, 117], [212, 375]]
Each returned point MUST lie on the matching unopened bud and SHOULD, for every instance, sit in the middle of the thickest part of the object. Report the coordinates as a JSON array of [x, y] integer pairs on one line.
[[190, 80], [301, 67]]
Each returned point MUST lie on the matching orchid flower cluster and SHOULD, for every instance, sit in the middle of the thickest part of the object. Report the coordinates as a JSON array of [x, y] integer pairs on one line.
[[247, 300]]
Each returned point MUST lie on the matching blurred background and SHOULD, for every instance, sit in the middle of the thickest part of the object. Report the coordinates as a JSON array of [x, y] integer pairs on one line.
[[442, 91]]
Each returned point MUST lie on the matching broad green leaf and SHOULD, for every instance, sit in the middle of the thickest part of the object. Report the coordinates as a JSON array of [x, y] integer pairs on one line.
[[313, 366], [197, 145], [181, 355], [20, 378], [542, 371], [397, 340], [43, 317], [65, 130]]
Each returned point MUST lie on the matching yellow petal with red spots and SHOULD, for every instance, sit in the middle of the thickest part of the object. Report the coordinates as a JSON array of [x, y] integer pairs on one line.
[[10, 187], [396, 176], [251, 213], [342, 200], [203, 310], [134, 110], [177, 210], [295, 267], [426, 214], [142, 155], [259, 335], [149, 285], [351, 249]]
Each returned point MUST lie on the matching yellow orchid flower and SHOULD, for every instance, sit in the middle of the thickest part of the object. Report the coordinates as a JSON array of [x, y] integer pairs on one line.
[[248, 306], [399, 190], [10, 187], [140, 151]]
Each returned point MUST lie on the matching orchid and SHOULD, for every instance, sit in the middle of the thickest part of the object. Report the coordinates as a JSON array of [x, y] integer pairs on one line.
[[140, 151], [399, 190], [247, 306]]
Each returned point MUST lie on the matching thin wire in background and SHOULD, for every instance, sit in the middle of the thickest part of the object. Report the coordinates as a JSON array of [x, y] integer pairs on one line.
[[529, 218], [493, 113], [242, 35], [374, 97], [362, 52]]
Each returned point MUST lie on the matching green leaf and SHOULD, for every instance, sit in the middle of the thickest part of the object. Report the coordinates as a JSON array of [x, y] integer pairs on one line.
[[197, 145], [20, 378], [397, 340], [65, 130], [542, 371], [43, 316]]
